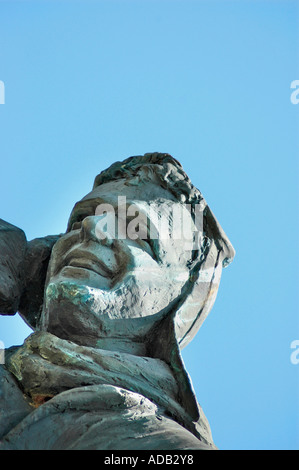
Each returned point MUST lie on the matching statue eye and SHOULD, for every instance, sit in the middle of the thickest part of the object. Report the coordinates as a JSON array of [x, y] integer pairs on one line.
[[77, 221], [76, 225]]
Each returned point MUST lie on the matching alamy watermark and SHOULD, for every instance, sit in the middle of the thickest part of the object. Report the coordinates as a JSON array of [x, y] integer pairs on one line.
[[169, 221], [294, 357], [295, 354], [295, 94], [2, 92], [2, 353]]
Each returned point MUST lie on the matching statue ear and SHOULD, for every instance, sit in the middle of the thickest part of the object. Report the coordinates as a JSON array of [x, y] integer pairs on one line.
[[35, 270]]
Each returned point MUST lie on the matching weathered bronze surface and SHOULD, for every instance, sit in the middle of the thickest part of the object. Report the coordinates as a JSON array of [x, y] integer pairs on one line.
[[110, 314]]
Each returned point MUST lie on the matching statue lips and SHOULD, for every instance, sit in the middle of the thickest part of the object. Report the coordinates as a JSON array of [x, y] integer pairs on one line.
[[79, 258]]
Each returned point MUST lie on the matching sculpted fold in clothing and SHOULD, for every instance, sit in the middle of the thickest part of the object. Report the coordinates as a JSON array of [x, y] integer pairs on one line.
[[110, 314]]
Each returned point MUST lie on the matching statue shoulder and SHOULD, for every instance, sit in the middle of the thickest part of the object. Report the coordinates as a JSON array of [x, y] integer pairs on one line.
[[23, 268], [13, 405], [13, 245]]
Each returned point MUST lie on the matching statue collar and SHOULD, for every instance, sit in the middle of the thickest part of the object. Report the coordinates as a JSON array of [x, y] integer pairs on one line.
[[46, 365]]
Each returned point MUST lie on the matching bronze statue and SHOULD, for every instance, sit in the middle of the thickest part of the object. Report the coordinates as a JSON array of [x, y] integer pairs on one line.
[[111, 302]]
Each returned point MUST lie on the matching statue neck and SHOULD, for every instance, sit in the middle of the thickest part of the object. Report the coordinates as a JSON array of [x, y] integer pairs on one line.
[[122, 345]]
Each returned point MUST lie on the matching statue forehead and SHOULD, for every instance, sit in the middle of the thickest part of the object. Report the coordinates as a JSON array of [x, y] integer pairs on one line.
[[133, 189], [146, 196]]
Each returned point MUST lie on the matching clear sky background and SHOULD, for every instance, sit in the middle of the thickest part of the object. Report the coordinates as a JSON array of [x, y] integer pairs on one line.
[[88, 83]]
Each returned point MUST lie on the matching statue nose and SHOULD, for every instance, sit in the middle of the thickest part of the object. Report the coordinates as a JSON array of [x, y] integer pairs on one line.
[[91, 231], [87, 231]]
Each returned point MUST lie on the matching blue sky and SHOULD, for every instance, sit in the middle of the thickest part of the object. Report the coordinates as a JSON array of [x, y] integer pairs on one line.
[[88, 83]]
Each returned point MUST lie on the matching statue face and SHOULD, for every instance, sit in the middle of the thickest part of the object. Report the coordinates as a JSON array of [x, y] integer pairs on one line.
[[102, 284]]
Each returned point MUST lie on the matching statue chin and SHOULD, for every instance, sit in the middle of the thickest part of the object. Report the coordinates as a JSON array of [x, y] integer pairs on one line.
[[97, 317]]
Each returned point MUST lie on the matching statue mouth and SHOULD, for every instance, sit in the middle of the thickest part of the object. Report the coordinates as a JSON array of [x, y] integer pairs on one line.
[[85, 260]]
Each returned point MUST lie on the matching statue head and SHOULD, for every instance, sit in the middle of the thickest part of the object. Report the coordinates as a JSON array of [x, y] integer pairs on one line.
[[140, 248]]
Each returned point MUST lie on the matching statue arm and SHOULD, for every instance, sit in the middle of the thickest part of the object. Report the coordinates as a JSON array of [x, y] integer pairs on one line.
[[23, 269], [13, 245], [36, 266]]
